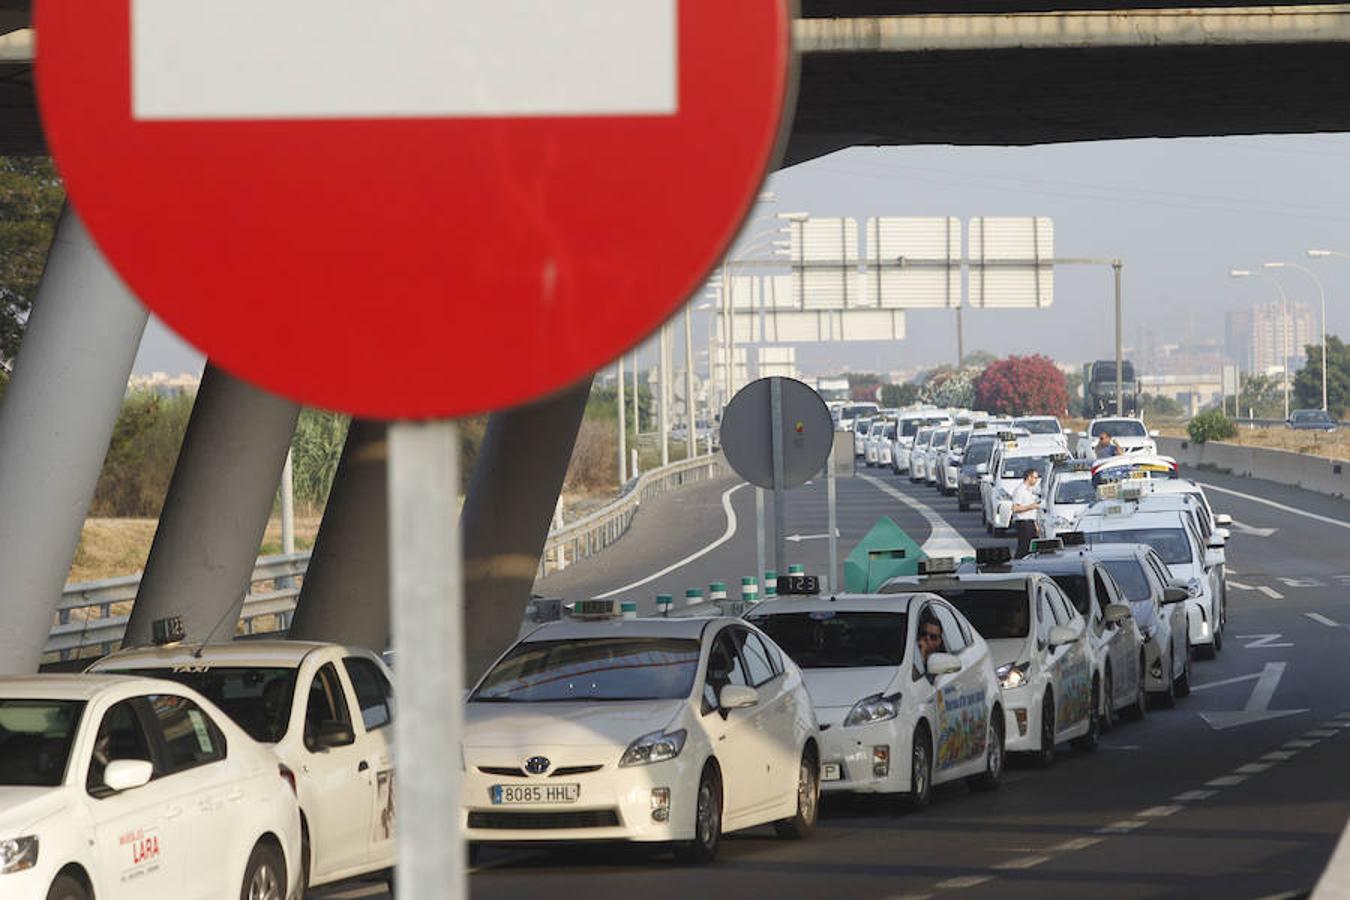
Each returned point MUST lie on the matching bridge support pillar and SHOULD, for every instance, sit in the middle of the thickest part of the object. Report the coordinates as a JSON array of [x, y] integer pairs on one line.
[[55, 423], [507, 511], [345, 597], [216, 511]]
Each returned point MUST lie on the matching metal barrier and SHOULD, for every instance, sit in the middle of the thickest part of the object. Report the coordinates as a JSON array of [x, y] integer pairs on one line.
[[589, 535], [87, 621]]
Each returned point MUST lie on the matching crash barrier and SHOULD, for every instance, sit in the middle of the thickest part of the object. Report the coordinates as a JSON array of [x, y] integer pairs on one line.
[[1321, 474], [591, 534], [92, 615], [1270, 423], [552, 609]]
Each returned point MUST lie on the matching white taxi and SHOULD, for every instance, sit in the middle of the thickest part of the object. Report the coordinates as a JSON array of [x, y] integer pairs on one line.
[[138, 789], [644, 730], [1042, 654], [1011, 469], [894, 719], [327, 712], [1068, 492], [1129, 434]]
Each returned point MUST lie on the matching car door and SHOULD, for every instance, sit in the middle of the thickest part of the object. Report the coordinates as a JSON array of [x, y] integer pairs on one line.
[[339, 791], [964, 710], [731, 732], [140, 845], [1124, 641], [1072, 662], [776, 719], [375, 708], [1176, 614]]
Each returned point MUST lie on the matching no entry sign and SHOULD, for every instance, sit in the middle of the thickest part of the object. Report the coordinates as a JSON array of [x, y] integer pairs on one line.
[[419, 208]]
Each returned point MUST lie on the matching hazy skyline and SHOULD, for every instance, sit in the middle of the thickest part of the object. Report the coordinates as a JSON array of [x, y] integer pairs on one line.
[[1180, 212]]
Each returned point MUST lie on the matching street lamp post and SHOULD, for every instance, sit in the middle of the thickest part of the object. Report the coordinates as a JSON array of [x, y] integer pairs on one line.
[[1284, 327], [1322, 294]]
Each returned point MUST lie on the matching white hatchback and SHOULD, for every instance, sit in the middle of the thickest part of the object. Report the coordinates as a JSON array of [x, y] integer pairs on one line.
[[646, 730], [123, 788]]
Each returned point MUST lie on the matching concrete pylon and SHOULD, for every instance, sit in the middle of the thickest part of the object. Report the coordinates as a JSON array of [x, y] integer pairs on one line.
[[216, 511], [507, 510], [345, 597], [55, 423]]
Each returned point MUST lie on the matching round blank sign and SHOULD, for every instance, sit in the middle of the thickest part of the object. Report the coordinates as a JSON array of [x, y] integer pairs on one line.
[[747, 432]]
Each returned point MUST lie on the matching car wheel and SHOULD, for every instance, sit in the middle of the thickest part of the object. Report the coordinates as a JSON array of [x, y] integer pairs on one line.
[[1139, 708], [1088, 742], [1044, 755], [1167, 698], [305, 861], [707, 821], [992, 776], [1203, 651], [67, 888], [920, 770], [1218, 637], [1181, 687], [1108, 705], [265, 875], [803, 823]]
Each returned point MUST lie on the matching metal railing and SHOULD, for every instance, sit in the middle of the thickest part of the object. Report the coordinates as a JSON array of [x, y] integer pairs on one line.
[[92, 616], [592, 533]]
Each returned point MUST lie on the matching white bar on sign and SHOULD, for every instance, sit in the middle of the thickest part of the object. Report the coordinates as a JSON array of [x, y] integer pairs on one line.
[[326, 59]]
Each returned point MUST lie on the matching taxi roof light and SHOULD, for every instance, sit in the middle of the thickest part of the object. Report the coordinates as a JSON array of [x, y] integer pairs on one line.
[[937, 565], [593, 609], [992, 556], [1047, 545], [1072, 538]]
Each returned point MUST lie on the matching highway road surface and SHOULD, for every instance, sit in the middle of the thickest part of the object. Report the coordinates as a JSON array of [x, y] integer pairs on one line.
[[1248, 804]]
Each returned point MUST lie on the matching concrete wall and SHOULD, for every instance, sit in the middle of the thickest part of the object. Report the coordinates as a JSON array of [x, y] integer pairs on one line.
[[1314, 473]]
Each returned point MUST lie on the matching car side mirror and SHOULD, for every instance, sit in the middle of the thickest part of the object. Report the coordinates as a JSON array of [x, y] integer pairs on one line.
[[1062, 634], [1223, 534], [1117, 613], [333, 733], [1174, 594], [126, 774], [1213, 557], [943, 664], [1155, 433], [1223, 520], [737, 696]]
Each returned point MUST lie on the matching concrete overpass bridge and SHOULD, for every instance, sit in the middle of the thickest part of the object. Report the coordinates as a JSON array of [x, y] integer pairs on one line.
[[877, 72]]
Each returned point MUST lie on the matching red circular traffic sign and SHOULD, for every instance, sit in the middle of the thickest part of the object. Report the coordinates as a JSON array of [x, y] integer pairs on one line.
[[377, 244]]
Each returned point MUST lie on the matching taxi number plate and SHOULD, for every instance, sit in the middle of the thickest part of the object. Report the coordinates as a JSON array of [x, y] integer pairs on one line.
[[511, 794], [830, 772]]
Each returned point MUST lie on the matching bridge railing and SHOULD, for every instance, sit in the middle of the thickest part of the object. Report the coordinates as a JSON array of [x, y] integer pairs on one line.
[[591, 534]]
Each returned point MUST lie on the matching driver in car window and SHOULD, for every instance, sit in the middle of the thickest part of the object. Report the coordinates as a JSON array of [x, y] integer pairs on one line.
[[930, 641]]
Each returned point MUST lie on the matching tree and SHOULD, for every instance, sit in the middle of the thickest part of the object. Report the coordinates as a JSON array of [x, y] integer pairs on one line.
[[895, 396], [1308, 380], [948, 387], [31, 195], [1160, 406], [1022, 386], [978, 359], [863, 385], [1264, 398]]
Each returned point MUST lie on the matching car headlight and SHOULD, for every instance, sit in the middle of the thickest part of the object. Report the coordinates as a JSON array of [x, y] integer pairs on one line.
[[1195, 588], [1012, 675], [1061, 522], [18, 854], [658, 746], [967, 479], [875, 708]]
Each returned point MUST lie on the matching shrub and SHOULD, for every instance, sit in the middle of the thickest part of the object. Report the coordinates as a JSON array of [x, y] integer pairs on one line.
[[1212, 425]]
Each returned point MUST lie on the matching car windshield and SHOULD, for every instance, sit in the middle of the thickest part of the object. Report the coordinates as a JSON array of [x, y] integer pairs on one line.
[[1129, 574], [854, 412], [1076, 587], [1078, 490], [1038, 426], [609, 668], [994, 612], [828, 639], [890, 432], [1119, 428], [921, 439], [256, 698], [862, 425], [960, 439], [910, 427], [1018, 466], [979, 451], [940, 437], [35, 740], [1170, 543]]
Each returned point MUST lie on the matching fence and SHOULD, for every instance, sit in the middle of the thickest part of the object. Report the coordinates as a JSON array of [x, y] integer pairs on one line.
[[92, 616]]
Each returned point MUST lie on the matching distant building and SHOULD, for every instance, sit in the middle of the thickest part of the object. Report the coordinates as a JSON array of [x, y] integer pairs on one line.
[[164, 384], [1256, 338]]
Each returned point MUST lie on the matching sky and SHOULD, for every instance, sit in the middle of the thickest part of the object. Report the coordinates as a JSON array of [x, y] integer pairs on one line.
[[1180, 212]]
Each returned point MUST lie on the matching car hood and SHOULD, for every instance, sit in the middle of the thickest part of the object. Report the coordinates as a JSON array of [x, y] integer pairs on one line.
[[23, 807], [844, 687], [579, 724], [1007, 650]]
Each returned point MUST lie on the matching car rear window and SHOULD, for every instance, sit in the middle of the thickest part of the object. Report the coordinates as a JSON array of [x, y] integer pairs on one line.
[[1170, 543], [830, 639], [1079, 490], [994, 612], [1129, 574]]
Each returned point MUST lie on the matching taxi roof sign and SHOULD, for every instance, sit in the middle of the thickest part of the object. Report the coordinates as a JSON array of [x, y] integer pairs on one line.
[[938, 565], [593, 609]]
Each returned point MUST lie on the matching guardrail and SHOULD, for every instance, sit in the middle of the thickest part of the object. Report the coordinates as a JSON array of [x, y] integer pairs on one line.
[[92, 615], [589, 535], [1271, 423]]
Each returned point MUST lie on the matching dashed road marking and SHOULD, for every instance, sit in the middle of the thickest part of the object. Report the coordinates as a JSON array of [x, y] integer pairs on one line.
[[1159, 812], [1321, 733], [1192, 796], [1252, 769], [1025, 862], [1123, 826], [1278, 755], [1270, 592], [1226, 781], [1080, 843], [1213, 684], [1300, 744], [1318, 617], [965, 881]]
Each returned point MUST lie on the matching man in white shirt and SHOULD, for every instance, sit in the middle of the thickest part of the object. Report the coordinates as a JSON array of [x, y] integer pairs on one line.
[[1025, 501]]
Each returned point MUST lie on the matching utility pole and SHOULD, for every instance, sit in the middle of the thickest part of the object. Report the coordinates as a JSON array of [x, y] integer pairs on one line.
[[623, 427], [1116, 266], [664, 405], [690, 402]]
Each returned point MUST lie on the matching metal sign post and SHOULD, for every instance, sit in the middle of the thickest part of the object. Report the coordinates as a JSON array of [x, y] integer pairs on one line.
[[427, 609], [759, 532], [832, 519], [779, 478]]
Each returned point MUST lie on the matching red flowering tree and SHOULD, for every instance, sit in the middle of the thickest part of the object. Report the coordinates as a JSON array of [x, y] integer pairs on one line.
[[1022, 386]]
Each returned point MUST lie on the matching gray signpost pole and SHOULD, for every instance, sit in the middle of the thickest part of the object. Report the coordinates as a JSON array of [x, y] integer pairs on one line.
[[759, 532], [831, 583], [779, 476]]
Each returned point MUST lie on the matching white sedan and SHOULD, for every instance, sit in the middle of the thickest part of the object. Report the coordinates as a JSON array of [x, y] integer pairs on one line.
[[894, 724], [121, 788], [645, 730]]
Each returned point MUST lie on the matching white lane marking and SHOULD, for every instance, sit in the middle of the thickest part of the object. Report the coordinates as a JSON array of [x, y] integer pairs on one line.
[[1318, 617], [726, 536], [317, 59], [1258, 704], [1192, 796], [1238, 585], [1261, 640], [1252, 769], [1121, 827], [1336, 723], [1320, 734], [1300, 744], [1243, 528], [1025, 862], [1227, 681], [1280, 506], [1278, 756], [1080, 843], [1226, 781], [1344, 715], [966, 881], [944, 540], [1159, 812], [1270, 592]]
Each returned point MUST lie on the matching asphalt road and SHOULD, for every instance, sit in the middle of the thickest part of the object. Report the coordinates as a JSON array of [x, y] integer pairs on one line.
[[1169, 807]]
